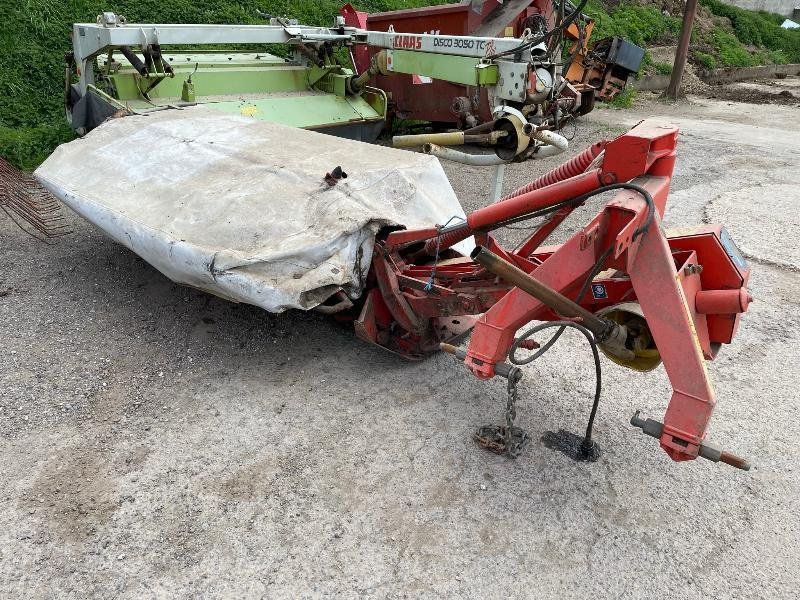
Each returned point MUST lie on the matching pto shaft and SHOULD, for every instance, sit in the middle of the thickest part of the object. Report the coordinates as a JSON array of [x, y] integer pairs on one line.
[[547, 295], [611, 336]]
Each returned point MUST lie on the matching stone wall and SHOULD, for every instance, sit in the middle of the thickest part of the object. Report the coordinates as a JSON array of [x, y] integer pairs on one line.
[[781, 7], [657, 83]]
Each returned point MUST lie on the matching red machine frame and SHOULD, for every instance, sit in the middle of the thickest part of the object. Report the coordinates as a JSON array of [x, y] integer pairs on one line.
[[691, 286]]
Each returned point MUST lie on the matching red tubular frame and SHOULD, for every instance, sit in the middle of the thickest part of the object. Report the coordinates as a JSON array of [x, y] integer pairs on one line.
[[422, 304], [574, 166]]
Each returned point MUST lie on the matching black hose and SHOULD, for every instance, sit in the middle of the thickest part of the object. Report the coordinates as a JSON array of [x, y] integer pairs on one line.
[[586, 445], [543, 38], [648, 198]]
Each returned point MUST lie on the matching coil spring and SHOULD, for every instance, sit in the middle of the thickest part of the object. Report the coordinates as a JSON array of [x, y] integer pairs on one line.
[[448, 239], [574, 166]]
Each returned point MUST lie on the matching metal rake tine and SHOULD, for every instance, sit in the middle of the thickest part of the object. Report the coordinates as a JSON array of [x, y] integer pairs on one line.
[[21, 195]]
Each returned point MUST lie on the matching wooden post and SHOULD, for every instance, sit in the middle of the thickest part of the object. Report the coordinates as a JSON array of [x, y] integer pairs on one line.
[[674, 89]]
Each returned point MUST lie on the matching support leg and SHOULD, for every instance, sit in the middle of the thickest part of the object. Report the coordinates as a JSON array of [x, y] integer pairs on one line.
[[658, 289]]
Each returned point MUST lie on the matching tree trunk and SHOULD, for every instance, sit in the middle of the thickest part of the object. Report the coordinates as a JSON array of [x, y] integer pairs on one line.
[[674, 89]]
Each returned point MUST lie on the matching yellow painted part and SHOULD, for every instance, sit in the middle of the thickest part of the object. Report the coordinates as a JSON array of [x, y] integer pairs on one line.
[[645, 359], [451, 138]]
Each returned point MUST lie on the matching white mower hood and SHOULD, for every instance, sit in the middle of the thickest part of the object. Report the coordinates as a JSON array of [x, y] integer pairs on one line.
[[239, 207]]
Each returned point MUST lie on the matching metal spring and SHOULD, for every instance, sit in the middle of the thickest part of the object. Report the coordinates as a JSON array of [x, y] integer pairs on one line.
[[574, 166]]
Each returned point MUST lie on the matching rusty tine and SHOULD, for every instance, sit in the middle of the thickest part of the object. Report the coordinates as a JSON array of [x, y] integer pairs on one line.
[[29, 205]]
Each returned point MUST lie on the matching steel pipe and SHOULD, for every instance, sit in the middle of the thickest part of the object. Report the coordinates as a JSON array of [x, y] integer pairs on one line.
[[502, 369], [482, 128], [611, 336], [545, 294], [706, 450], [722, 302], [494, 215], [450, 138]]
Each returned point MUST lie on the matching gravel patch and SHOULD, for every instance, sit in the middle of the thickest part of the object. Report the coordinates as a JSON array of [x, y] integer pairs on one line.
[[159, 442]]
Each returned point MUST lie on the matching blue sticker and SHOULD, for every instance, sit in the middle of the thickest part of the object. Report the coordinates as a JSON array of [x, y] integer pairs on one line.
[[732, 249], [599, 291]]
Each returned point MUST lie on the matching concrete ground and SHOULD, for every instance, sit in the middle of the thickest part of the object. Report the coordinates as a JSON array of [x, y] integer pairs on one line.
[[159, 442]]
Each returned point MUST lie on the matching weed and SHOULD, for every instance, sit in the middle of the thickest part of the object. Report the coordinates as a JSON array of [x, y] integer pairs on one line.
[[641, 25], [758, 28], [729, 50], [663, 68], [625, 98], [707, 61]]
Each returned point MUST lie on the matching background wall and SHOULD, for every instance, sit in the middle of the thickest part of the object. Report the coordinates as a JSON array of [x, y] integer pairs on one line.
[[781, 7]]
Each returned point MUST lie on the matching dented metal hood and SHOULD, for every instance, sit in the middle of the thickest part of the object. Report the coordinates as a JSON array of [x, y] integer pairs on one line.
[[239, 207]]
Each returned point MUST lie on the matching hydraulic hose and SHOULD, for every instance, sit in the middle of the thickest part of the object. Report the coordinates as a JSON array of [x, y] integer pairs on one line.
[[481, 160], [574, 166], [588, 448], [553, 143]]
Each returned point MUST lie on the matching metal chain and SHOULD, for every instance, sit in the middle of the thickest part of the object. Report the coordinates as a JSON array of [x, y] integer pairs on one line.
[[507, 439]]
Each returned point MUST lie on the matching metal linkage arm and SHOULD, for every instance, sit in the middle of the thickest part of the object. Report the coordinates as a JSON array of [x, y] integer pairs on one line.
[[89, 39], [453, 58], [670, 313]]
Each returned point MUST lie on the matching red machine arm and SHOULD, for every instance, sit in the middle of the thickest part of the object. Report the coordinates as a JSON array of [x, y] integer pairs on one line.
[[658, 290]]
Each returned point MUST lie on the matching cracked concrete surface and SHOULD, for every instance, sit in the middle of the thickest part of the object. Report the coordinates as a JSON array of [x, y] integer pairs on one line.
[[159, 442]]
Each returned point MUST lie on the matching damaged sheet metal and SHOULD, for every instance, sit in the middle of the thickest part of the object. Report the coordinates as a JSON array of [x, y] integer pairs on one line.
[[240, 208]]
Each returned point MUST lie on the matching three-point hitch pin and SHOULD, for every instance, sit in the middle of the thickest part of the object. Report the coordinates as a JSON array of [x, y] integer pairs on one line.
[[706, 450]]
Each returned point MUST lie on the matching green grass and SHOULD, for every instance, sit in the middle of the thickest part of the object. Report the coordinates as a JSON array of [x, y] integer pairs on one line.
[[779, 57], [625, 98], [642, 25], [730, 50], [37, 33], [705, 60], [663, 68], [757, 29]]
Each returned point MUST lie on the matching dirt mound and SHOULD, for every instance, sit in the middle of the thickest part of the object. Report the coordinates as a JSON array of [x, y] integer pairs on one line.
[[663, 54], [753, 94], [692, 84]]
